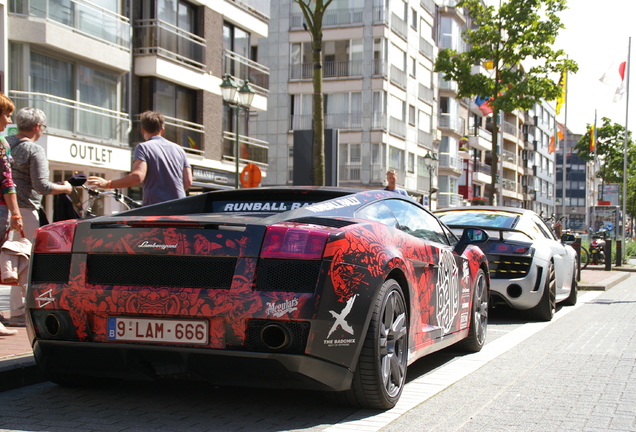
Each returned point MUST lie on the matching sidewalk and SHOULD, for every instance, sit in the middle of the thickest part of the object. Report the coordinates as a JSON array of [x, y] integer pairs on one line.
[[18, 368]]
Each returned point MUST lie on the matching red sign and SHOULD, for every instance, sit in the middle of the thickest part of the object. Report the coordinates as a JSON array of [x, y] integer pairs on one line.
[[250, 176], [604, 203]]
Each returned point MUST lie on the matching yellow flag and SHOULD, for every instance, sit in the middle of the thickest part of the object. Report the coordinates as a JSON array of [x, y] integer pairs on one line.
[[563, 84]]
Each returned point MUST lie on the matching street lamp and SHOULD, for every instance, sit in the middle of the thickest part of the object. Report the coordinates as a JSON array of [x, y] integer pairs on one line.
[[238, 99], [430, 161]]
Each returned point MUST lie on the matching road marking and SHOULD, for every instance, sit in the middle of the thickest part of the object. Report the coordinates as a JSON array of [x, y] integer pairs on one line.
[[428, 385]]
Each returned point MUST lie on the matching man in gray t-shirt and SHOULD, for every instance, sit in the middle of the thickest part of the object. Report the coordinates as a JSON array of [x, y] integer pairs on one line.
[[161, 166]]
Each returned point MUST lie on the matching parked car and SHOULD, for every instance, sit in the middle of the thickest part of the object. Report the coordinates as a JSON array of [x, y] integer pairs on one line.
[[315, 288], [530, 269]]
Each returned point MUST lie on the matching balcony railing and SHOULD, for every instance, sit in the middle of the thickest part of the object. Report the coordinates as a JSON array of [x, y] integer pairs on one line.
[[483, 168], [244, 68], [330, 69], [250, 149], [424, 93], [508, 156], [187, 134], [429, 5], [378, 120], [379, 14], [448, 199], [153, 36], [83, 16], [424, 183], [349, 172], [510, 185], [447, 160], [509, 128], [426, 49], [453, 122], [399, 26], [398, 77], [379, 67], [424, 139], [332, 121], [397, 127], [332, 17], [77, 118], [447, 85], [261, 6]]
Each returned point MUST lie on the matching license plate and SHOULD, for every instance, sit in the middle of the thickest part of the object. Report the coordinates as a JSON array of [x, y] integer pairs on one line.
[[158, 330]]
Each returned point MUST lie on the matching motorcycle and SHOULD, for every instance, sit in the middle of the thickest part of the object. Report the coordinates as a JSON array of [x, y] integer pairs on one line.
[[597, 247]]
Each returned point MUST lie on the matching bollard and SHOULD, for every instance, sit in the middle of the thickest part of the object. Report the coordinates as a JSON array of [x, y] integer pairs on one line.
[[608, 254], [619, 253]]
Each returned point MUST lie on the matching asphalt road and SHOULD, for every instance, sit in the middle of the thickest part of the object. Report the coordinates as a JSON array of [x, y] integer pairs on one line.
[[577, 373]]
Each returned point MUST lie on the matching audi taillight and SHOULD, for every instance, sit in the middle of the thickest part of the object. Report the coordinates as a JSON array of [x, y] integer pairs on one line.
[[510, 249], [55, 238], [296, 243]]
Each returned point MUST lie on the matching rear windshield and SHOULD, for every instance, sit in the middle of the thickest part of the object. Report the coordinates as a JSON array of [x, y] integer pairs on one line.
[[479, 219]]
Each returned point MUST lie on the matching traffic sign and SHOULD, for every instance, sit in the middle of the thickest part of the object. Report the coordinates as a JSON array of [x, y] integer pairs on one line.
[[251, 176]]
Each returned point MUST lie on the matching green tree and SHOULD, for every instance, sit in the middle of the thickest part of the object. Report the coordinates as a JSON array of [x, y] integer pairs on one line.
[[518, 32], [314, 11], [610, 143], [610, 149]]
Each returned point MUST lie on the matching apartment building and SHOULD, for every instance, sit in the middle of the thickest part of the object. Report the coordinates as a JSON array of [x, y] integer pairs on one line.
[[92, 67], [379, 89], [579, 187]]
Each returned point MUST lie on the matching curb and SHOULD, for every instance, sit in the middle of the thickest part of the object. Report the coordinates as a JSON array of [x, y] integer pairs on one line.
[[19, 371], [605, 284]]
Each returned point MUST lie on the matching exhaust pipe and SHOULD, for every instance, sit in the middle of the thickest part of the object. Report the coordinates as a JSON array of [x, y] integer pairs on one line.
[[53, 325], [275, 336]]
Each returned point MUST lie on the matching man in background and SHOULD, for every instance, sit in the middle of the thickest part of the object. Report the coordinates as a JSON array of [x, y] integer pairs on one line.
[[391, 179], [160, 166]]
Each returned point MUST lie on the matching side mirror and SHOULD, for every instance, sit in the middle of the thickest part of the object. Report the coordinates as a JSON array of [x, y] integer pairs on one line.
[[568, 238], [470, 236]]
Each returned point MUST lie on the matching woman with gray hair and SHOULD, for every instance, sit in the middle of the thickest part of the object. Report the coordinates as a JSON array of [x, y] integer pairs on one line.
[[30, 170]]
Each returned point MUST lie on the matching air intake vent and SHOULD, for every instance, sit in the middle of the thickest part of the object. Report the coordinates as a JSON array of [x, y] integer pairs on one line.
[[50, 268], [335, 223], [287, 275], [162, 270], [509, 267]]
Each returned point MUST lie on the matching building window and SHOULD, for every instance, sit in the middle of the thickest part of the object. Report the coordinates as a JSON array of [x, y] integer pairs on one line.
[[396, 158], [411, 162], [177, 103], [63, 83], [412, 115]]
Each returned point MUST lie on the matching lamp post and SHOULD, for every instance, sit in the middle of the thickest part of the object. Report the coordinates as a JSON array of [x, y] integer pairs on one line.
[[237, 99], [430, 161]]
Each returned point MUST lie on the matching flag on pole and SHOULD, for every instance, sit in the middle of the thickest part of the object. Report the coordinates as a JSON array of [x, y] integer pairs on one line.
[[593, 137], [615, 77], [563, 83], [483, 104], [558, 133]]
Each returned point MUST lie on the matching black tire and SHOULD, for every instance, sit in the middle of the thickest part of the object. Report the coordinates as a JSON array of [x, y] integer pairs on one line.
[[479, 317], [585, 257], [381, 371], [546, 308], [574, 293]]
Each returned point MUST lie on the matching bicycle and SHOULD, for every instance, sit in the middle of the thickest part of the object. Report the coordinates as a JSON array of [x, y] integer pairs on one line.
[[584, 256], [84, 208]]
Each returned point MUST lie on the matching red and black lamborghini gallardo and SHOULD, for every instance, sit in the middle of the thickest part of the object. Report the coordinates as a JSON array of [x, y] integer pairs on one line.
[[317, 288]]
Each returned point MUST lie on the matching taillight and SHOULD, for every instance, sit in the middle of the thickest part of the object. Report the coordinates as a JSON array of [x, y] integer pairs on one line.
[[285, 242], [509, 249], [57, 237]]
